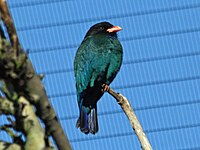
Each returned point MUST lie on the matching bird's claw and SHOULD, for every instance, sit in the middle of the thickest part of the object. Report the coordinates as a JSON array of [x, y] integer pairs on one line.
[[105, 88]]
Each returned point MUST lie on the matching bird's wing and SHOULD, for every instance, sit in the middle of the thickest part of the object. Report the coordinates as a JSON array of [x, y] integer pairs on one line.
[[114, 62], [82, 65]]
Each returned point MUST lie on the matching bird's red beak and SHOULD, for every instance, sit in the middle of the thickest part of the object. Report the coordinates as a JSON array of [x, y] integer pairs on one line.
[[114, 29]]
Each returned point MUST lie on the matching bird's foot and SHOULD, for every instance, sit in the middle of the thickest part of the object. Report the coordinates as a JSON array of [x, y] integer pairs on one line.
[[105, 88]]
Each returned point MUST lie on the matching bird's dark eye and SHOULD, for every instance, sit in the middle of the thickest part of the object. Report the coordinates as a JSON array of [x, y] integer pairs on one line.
[[101, 28]]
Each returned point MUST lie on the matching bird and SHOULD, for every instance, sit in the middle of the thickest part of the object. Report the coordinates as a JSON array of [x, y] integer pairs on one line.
[[97, 62]]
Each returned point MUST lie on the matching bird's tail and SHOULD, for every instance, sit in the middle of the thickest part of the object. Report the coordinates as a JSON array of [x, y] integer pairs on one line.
[[87, 121]]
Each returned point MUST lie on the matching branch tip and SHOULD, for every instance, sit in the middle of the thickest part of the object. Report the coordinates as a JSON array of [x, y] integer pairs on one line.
[[126, 107]]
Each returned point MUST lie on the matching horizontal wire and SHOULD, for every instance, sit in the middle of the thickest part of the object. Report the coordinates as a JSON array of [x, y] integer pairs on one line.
[[173, 128], [143, 60], [137, 85], [151, 83], [138, 109], [34, 3], [86, 20], [155, 35], [132, 133], [140, 37], [191, 148]]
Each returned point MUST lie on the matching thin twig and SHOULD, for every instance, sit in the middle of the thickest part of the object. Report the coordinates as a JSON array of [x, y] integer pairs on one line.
[[125, 105]]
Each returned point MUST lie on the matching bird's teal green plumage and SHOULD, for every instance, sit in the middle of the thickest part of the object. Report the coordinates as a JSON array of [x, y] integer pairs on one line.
[[97, 62]]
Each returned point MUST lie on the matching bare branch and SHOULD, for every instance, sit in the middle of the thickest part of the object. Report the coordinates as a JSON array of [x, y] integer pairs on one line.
[[9, 146], [30, 125], [6, 107], [26, 121], [125, 105], [5, 16], [17, 139], [18, 70]]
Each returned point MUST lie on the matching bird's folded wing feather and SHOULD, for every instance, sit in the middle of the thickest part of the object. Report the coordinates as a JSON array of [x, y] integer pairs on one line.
[[89, 58]]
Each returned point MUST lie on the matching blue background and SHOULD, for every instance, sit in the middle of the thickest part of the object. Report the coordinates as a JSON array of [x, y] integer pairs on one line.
[[160, 74]]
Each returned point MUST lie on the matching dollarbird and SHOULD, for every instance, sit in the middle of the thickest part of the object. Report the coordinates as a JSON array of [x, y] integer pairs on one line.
[[97, 62]]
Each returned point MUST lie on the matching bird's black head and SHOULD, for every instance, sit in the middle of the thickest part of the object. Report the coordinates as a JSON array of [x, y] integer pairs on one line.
[[103, 28]]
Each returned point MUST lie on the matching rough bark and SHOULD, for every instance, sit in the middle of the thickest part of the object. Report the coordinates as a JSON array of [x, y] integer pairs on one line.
[[10, 146], [26, 122], [16, 69]]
